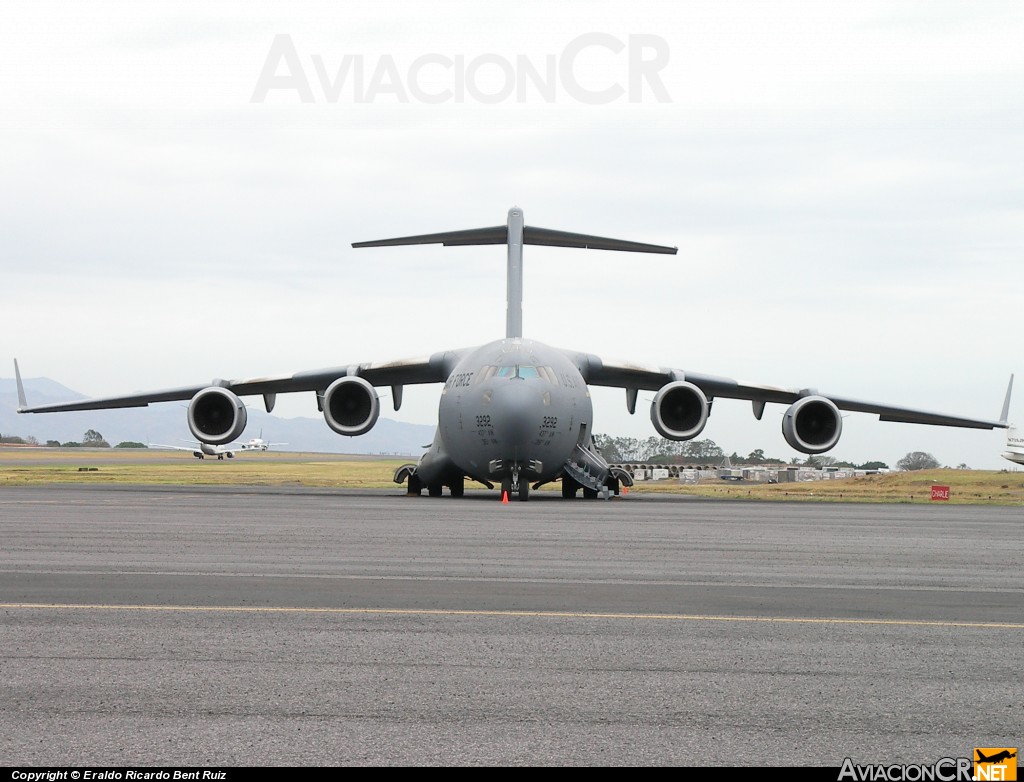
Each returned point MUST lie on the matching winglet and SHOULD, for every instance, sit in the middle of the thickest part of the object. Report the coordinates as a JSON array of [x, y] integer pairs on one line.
[[22, 403], [1006, 403]]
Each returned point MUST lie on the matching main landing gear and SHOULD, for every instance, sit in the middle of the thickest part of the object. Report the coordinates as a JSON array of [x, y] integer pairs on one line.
[[456, 486], [512, 485]]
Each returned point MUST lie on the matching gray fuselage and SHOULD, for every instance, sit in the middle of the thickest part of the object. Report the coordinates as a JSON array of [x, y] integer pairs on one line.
[[513, 404]]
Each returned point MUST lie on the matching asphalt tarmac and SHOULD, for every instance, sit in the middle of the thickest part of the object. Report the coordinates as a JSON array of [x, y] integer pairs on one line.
[[280, 627]]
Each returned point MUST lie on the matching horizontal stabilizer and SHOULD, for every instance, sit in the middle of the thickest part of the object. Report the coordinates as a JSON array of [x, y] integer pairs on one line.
[[550, 238], [496, 235], [531, 235]]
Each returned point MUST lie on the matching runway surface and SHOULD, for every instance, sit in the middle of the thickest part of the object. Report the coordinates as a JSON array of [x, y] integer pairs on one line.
[[314, 627]]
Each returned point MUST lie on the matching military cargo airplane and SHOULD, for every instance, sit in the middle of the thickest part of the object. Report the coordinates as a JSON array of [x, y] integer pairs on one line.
[[516, 412]]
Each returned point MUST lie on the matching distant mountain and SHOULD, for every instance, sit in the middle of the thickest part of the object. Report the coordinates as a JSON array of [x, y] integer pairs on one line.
[[165, 423]]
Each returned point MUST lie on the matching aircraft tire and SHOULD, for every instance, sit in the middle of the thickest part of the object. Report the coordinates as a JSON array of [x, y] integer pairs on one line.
[[506, 487], [415, 485], [569, 488], [524, 489], [589, 494], [434, 489], [458, 488]]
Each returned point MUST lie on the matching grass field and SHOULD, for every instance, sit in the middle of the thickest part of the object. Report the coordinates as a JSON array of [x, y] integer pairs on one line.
[[170, 468], [41, 466], [966, 487]]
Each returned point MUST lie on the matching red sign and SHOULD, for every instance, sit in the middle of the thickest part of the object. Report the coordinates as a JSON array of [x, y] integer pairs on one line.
[[940, 492]]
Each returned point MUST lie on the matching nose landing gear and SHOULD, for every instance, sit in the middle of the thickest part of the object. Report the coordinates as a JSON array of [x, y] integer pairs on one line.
[[515, 484]]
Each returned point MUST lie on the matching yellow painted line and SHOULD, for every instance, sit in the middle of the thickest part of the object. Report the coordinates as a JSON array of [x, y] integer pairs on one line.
[[537, 614]]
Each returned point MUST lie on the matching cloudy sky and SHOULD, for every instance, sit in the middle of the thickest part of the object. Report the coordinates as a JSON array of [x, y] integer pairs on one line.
[[182, 183]]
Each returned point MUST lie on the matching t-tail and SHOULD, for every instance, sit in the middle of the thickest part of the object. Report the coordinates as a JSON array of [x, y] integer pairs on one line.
[[515, 233]]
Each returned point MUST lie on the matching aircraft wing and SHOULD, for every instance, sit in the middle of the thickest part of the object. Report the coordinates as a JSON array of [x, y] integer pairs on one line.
[[632, 377], [428, 369], [162, 447]]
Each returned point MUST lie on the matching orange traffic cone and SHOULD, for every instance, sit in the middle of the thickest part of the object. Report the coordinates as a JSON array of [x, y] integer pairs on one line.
[[504, 498]]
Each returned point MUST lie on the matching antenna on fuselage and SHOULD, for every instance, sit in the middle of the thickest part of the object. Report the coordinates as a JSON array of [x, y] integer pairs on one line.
[[515, 233]]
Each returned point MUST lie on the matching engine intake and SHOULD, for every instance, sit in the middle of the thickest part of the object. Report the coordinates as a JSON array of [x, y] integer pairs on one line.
[[679, 411], [351, 406], [216, 416], [812, 424]]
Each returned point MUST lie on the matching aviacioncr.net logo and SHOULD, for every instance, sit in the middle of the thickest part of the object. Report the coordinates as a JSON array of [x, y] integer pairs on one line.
[[594, 68], [944, 770], [995, 764]]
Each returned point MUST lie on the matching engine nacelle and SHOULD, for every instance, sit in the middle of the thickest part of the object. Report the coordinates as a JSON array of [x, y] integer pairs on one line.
[[216, 416], [679, 411], [812, 424], [351, 406]]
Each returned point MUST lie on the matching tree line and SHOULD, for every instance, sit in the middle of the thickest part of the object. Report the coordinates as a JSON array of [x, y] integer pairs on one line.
[[658, 450], [91, 439]]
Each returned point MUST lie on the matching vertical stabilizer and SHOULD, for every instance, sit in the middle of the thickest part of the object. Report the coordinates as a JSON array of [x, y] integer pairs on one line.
[[514, 286]]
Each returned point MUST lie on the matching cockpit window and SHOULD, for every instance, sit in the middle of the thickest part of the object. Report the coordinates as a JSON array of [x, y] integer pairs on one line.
[[486, 373], [521, 371]]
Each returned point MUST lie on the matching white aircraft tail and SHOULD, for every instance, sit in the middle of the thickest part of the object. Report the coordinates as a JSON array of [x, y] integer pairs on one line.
[[1014, 445], [1014, 439]]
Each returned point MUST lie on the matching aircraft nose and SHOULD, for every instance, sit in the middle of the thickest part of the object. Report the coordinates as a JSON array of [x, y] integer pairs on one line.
[[517, 407]]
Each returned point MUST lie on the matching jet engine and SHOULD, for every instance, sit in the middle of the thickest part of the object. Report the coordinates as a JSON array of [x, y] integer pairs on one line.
[[216, 416], [812, 424], [351, 406], [679, 411]]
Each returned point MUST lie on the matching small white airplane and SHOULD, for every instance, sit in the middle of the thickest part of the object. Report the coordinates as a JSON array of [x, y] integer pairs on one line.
[[201, 450], [1014, 446], [258, 444]]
